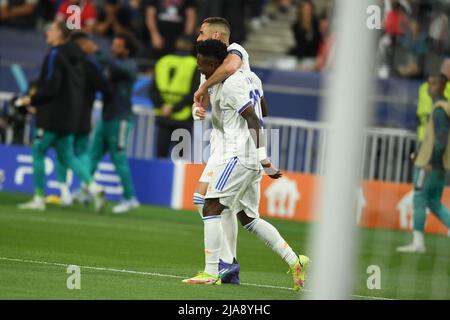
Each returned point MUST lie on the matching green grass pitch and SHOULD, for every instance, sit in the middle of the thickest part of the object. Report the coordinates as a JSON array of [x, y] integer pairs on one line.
[[145, 254]]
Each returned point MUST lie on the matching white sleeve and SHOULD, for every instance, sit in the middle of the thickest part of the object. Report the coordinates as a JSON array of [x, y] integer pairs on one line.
[[236, 95], [242, 53], [202, 79], [258, 83]]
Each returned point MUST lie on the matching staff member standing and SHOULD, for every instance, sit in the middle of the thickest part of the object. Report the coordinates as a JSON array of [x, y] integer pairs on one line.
[[111, 133], [58, 113], [172, 92], [432, 165], [94, 81]]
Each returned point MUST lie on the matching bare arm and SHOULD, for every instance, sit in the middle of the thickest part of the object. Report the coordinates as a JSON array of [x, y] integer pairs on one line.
[[150, 21], [22, 10], [229, 66], [257, 135], [264, 107], [191, 17]]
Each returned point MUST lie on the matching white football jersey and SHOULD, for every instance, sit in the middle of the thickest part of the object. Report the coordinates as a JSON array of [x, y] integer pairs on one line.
[[241, 52], [231, 136]]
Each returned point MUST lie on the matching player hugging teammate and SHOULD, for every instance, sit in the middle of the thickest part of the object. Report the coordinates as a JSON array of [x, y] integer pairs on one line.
[[73, 71]]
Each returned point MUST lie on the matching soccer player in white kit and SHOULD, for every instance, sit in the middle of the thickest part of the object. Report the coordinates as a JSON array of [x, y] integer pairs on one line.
[[239, 161], [237, 59]]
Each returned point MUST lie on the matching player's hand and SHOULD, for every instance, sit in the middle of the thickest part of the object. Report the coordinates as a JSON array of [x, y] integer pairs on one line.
[[199, 97], [270, 170], [198, 113]]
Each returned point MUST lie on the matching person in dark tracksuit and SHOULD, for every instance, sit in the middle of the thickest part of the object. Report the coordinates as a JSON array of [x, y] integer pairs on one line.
[[432, 165], [58, 113], [111, 133], [95, 81]]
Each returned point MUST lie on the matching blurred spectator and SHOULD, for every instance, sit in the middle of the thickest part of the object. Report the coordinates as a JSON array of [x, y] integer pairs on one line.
[[117, 16], [395, 25], [325, 46], [438, 33], [414, 42], [395, 19], [425, 103], [166, 20], [88, 13], [15, 118], [306, 32], [234, 11], [18, 13], [47, 10], [258, 16], [283, 5], [172, 91]]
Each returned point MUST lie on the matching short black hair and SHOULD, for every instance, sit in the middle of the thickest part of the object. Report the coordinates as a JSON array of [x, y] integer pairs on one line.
[[79, 35], [218, 21], [131, 43], [212, 48]]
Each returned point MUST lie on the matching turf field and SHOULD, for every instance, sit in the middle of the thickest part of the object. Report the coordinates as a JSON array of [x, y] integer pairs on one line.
[[145, 254]]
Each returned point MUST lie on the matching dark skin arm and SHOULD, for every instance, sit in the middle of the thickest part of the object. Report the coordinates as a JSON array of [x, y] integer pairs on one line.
[[255, 130], [264, 107]]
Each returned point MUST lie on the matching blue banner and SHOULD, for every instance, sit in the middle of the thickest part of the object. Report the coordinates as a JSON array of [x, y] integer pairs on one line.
[[152, 178]]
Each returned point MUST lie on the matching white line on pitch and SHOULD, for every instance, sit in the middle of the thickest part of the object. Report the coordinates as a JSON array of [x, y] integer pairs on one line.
[[161, 275]]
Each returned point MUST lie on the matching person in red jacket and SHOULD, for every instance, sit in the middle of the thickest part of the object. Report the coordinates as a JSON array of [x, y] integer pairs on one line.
[[88, 13]]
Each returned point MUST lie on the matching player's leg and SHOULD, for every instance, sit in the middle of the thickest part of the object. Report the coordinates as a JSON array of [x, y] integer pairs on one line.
[[420, 202], [61, 176], [249, 218], [228, 266], [117, 141], [98, 147], [65, 153], [273, 239], [435, 197], [81, 153], [42, 142], [64, 149], [81, 149], [213, 237]]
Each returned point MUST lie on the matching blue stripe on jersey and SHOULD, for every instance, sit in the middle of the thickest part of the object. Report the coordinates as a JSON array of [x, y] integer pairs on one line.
[[248, 104], [223, 173], [198, 200], [51, 63], [222, 185], [212, 217], [236, 52], [251, 225]]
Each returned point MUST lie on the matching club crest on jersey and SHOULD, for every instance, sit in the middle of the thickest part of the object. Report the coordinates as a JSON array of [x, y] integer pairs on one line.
[[210, 91]]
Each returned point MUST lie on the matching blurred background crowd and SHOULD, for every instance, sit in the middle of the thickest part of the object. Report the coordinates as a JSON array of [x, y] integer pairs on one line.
[[287, 34]]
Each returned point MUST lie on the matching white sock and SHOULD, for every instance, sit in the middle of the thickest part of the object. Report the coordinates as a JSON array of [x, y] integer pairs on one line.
[[94, 188], [64, 189], [272, 238], [39, 199], [199, 202], [418, 238], [213, 243], [230, 232]]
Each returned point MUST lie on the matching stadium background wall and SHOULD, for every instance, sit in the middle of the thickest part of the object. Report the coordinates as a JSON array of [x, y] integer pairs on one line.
[[384, 205]]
